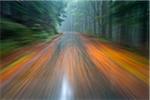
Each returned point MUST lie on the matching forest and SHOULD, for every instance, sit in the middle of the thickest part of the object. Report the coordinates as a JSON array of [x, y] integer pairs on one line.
[[122, 22], [74, 50], [24, 22]]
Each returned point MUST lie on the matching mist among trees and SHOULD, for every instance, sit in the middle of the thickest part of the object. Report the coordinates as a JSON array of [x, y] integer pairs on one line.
[[123, 22]]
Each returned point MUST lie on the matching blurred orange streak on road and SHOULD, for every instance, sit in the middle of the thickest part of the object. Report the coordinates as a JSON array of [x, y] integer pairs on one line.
[[120, 66], [75, 66], [11, 69]]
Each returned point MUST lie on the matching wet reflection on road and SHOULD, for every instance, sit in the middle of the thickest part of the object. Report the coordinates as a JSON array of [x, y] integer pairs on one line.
[[66, 91]]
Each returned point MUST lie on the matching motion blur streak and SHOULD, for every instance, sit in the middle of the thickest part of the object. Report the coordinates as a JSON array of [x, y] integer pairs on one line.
[[123, 68], [136, 65], [76, 67]]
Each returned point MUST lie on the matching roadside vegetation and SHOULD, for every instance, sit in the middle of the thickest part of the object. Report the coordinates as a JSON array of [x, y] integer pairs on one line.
[[26, 22]]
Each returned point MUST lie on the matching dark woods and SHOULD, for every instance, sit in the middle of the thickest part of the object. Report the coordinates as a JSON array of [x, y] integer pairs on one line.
[[24, 22], [123, 22], [40, 15]]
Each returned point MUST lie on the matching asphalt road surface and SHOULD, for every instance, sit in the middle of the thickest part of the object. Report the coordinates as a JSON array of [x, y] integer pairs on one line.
[[76, 67]]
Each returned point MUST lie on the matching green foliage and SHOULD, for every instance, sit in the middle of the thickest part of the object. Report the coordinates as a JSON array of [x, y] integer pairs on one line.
[[7, 46], [13, 30], [24, 22], [47, 14]]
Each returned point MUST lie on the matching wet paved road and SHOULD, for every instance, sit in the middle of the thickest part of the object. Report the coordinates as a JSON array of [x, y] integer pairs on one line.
[[76, 67]]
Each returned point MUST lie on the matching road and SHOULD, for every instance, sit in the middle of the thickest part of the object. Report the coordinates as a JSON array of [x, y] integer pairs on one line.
[[76, 67]]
